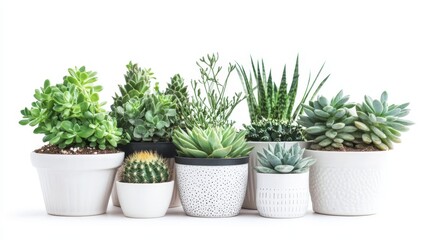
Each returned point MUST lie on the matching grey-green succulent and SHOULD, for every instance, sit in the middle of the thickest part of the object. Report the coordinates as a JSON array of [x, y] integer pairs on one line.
[[213, 142], [144, 167], [330, 124], [278, 159], [144, 113], [381, 123], [70, 114], [273, 104]]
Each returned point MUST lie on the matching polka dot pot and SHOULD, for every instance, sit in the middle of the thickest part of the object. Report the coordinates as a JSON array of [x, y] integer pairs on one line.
[[346, 183], [212, 187]]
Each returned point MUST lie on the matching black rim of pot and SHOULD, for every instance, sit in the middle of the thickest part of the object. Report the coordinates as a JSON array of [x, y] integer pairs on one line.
[[165, 149], [212, 161]]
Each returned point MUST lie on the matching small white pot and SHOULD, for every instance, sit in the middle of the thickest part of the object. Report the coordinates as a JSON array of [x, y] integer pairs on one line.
[[250, 199], [211, 187], [76, 185], [346, 183], [145, 200], [282, 195]]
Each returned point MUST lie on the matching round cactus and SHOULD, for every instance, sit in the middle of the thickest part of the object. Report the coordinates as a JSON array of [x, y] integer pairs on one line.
[[145, 167], [329, 123]]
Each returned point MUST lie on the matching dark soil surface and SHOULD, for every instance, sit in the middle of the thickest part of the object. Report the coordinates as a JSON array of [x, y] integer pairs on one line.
[[350, 149], [51, 149]]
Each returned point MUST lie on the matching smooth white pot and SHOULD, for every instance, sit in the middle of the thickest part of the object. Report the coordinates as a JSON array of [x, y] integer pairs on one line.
[[212, 191], [76, 185], [250, 199], [175, 200], [282, 195], [346, 183], [146, 200]]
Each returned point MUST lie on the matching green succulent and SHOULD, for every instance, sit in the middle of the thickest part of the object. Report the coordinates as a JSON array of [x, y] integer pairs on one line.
[[179, 92], [273, 131], [214, 142], [273, 103], [70, 114], [381, 124], [145, 114], [278, 159], [329, 124], [145, 167]]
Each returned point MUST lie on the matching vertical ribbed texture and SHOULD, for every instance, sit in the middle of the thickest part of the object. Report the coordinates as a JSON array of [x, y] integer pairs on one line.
[[76, 193], [282, 202]]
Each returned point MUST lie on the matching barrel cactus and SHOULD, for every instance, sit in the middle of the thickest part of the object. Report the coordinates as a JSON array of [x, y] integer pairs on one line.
[[215, 142], [145, 167], [278, 159], [330, 124], [381, 124]]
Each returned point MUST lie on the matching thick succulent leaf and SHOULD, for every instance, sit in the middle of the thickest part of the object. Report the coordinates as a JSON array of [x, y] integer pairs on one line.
[[194, 153], [378, 132], [262, 169], [284, 168], [362, 126], [221, 152], [316, 129]]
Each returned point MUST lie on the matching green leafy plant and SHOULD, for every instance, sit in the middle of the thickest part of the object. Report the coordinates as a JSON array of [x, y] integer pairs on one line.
[[214, 142], [70, 114], [275, 103], [278, 159], [330, 124], [145, 167], [273, 131], [145, 114], [209, 105], [381, 123], [179, 92]]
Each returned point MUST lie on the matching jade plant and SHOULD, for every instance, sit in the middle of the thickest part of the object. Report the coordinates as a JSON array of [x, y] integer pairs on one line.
[[145, 167], [70, 114], [213, 142], [278, 159], [334, 125], [144, 113], [275, 105]]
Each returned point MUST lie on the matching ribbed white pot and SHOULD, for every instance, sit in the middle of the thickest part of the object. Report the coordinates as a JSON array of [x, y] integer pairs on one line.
[[250, 199], [346, 183], [175, 200], [146, 200], [282, 195], [76, 185], [212, 191]]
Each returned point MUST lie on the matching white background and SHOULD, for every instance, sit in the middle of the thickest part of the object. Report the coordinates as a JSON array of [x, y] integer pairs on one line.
[[368, 46]]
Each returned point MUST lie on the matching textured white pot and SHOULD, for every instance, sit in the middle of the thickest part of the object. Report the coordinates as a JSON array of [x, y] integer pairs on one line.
[[175, 200], [76, 185], [147, 200], [282, 195], [346, 183], [250, 199], [212, 191]]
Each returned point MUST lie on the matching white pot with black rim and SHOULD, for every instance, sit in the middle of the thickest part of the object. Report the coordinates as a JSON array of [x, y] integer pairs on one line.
[[250, 199], [167, 150], [76, 185], [212, 187], [346, 183]]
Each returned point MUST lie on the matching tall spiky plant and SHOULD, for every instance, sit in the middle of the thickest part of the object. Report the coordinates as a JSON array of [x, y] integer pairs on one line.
[[276, 103]]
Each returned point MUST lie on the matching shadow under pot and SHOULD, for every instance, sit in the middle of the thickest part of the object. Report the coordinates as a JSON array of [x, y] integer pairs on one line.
[[166, 150], [212, 187]]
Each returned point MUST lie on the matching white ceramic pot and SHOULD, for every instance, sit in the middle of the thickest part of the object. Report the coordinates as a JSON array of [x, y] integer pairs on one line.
[[212, 187], [145, 200], [250, 199], [346, 183], [282, 195], [76, 185], [175, 200]]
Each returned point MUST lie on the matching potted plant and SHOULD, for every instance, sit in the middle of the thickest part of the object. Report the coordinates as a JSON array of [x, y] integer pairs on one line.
[[77, 168], [212, 163], [350, 143], [148, 117], [211, 170], [282, 181], [145, 188], [273, 114]]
